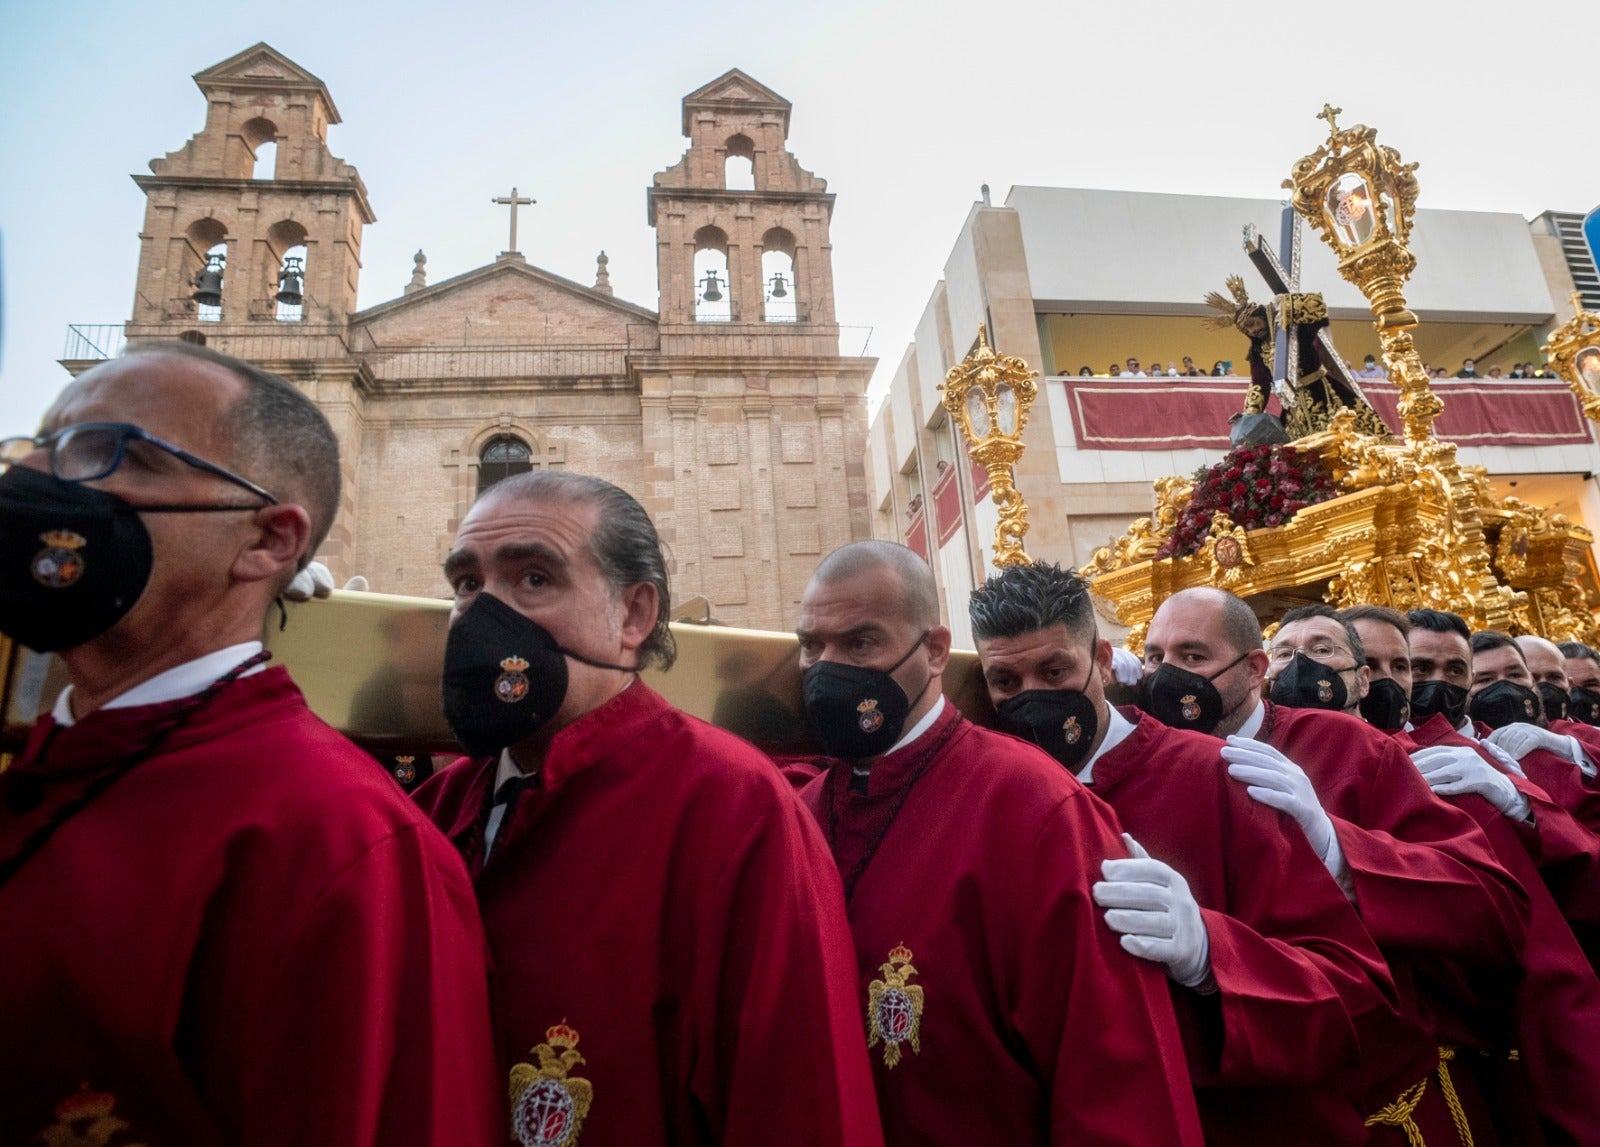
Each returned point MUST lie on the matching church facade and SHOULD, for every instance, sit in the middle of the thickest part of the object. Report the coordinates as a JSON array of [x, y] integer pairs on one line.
[[728, 410]]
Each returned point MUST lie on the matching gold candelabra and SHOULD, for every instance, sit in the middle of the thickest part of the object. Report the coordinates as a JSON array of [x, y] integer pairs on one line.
[[1360, 197], [1574, 351], [988, 396]]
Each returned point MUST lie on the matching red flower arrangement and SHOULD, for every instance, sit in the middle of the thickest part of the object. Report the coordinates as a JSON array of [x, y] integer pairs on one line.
[[1256, 486]]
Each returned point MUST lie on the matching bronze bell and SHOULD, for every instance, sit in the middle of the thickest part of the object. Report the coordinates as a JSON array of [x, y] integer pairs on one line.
[[713, 292], [780, 289], [291, 282], [208, 283]]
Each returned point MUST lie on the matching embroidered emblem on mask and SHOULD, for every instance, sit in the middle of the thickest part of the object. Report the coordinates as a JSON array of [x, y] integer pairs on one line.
[[1190, 707], [405, 769], [548, 1106], [894, 1007], [1324, 691], [512, 684], [59, 564], [84, 1119], [870, 720], [1072, 731]]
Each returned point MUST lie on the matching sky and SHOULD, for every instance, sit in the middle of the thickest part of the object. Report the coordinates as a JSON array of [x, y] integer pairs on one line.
[[904, 108]]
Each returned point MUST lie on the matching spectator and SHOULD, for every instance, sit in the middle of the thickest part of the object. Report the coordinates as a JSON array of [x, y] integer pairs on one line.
[[1439, 372], [1086, 372], [1469, 369], [1370, 368], [1219, 369], [1494, 372], [1519, 371], [1116, 371], [1189, 369], [1132, 370]]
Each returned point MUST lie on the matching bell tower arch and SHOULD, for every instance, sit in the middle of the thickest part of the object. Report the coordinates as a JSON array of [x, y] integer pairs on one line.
[[256, 186], [739, 180]]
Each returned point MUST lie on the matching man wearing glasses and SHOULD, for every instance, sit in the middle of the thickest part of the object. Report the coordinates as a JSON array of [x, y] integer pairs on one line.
[[221, 923]]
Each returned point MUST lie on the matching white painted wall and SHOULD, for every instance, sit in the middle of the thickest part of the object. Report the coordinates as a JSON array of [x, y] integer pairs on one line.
[[1136, 252]]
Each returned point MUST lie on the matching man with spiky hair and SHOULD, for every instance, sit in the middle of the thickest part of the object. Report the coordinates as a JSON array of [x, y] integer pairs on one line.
[[999, 1007], [1552, 1015], [1271, 973], [1421, 874]]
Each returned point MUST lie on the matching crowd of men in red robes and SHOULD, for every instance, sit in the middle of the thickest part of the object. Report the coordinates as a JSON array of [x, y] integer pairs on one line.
[[1339, 887]]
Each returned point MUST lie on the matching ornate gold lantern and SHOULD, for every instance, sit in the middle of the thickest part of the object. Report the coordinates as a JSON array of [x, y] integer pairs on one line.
[[1574, 351], [988, 396], [1360, 197]]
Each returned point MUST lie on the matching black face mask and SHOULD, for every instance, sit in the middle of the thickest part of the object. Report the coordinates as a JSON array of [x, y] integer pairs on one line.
[[1553, 700], [1505, 703], [505, 676], [1385, 706], [857, 712], [1062, 722], [74, 559], [1430, 697], [1306, 683], [1584, 705], [1185, 700]]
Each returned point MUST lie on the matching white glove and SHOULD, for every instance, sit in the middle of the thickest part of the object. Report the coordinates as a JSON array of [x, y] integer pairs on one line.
[[1507, 761], [1522, 738], [1125, 667], [1276, 781], [1150, 904], [316, 580], [1452, 770]]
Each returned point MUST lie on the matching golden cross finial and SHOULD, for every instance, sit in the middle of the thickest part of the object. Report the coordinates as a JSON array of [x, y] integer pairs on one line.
[[1328, 112]]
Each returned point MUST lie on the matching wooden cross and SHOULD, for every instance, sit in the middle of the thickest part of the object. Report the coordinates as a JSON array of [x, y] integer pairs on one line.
[[513, 202], [1285, 281]]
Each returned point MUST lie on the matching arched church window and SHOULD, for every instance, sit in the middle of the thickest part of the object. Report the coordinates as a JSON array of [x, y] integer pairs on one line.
[[502, 457], [291, 288], [780, 302], [713, 291], [739, 168]]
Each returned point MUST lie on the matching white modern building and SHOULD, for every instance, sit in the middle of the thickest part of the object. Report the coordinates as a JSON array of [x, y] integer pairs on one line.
[[1075, 280]]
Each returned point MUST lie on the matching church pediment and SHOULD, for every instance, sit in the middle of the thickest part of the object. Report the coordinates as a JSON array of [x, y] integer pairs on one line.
[[261, 65], [506, 303], [735, 87]]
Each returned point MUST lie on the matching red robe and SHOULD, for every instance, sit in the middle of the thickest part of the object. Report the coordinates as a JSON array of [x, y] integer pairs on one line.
[[1429, 890], [1589, 737], [988, 976], [1566, 853], [1555, 1004], [1296, 972], [1561, 778], [666, 900], [251, 938]]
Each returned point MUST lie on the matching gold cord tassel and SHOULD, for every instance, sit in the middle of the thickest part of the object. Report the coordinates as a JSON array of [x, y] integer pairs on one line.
[[1451, 1099]]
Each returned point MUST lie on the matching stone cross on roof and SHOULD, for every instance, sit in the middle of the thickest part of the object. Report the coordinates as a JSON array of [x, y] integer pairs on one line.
[[513, 201]]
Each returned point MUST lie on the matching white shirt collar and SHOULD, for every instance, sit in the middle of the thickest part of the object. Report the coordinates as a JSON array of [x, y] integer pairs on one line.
[[1117, 729], [180, 681], [921, 726], [1252, 723]]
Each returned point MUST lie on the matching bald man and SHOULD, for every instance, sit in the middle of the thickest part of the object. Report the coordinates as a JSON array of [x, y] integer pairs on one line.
[[1421, 874], [1583, 674], [226, 925], [999, 1006]]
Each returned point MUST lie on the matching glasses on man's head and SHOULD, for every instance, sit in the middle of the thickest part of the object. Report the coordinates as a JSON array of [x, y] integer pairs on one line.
[[89, 451]]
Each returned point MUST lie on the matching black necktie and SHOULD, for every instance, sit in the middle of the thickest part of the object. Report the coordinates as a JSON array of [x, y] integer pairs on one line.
[[508, 794]]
